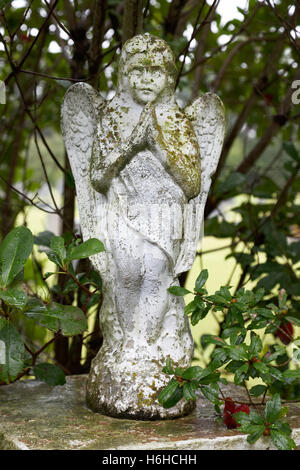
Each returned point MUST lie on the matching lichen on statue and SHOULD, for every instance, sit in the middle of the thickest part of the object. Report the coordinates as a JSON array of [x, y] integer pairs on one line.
[[145, 98]]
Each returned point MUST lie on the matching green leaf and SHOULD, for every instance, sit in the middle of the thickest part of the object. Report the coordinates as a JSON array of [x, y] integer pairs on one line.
[[272, 408], [48, 274], [34, 305], [291, 150], [255, 418], [282, 427], [257, 390], [261, 367], [264, 312], [43, 238], [179, 371], [281, 440], [211, 392], [85, 250], [96, 278], [225, 292], [57, 245], [232, 366], [177, 290], [93, 300], [238, 353], [71, 320], [282, 412], [201, 280], [14, 351], [256, 345], [291, 374], [209, 378], [14, 297], [294, 320], [168, 369], [240, 374], [204, 342], [257, 431], [211, 339], [275, 373], [189, 390], [70, 286], [55, 258], [193, 372], [218, 358], [249, 422], [199, 314], [49, 373], [191, 307], [14, 251], [218, 300], [171, 394]]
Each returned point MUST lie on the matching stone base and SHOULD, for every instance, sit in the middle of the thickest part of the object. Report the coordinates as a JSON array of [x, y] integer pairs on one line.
[[129, 389], [34, 416]]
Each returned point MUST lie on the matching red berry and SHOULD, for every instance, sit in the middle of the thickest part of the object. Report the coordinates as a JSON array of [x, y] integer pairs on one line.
[[228, 420], [268, 98], [229, 405], [243, 408], [285, 332], [229, 411]]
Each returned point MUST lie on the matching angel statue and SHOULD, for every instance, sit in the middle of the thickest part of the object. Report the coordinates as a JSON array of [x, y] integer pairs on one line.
[[142, 168]]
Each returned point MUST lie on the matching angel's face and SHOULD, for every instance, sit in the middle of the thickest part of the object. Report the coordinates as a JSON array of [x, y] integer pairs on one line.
[[147, 78]]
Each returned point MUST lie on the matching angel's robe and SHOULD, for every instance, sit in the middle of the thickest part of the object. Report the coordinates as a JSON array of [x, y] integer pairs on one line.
[[146, 200]]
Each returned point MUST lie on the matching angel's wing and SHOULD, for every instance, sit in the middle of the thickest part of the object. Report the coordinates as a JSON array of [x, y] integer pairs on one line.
[[79, 117], [207, 116]]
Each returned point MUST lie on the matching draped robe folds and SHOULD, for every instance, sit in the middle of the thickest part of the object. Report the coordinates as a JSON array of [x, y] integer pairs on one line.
[[144, 220], [144, 199]]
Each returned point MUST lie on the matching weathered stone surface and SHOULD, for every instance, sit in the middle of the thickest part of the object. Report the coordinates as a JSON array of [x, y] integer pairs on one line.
[[34, 415], [142, 168]]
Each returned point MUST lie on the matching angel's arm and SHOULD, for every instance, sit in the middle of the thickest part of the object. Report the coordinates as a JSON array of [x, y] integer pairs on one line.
[[109, 159], [179, 153]]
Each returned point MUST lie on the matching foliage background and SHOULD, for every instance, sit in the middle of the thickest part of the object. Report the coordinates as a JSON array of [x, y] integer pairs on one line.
[[253, 206]]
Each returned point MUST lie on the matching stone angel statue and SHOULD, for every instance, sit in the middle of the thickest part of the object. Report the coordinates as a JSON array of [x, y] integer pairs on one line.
[[142, 168]]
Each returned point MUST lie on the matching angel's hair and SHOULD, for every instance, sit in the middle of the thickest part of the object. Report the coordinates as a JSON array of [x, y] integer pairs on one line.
[[150, 45]]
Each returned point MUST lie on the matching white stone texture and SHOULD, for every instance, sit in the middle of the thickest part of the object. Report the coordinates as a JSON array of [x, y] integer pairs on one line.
[[142, 168]]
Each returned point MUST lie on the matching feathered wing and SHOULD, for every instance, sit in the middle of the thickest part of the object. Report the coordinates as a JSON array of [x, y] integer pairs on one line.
[[79, 117], [207, 116]]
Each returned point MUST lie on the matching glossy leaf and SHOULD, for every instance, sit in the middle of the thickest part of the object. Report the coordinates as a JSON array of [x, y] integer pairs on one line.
[[201, 279], [14, 297], [177, 290], [14, 251], [281, 440], [89, 248], [49, 373], [171, 394], [257, 390], [189, 390], [14, 351]]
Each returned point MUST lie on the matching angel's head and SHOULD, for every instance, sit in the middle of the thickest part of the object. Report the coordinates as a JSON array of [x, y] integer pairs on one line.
[[147, 69]]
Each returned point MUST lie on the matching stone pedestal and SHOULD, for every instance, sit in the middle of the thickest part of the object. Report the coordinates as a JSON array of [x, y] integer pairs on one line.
[[34, 416]]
